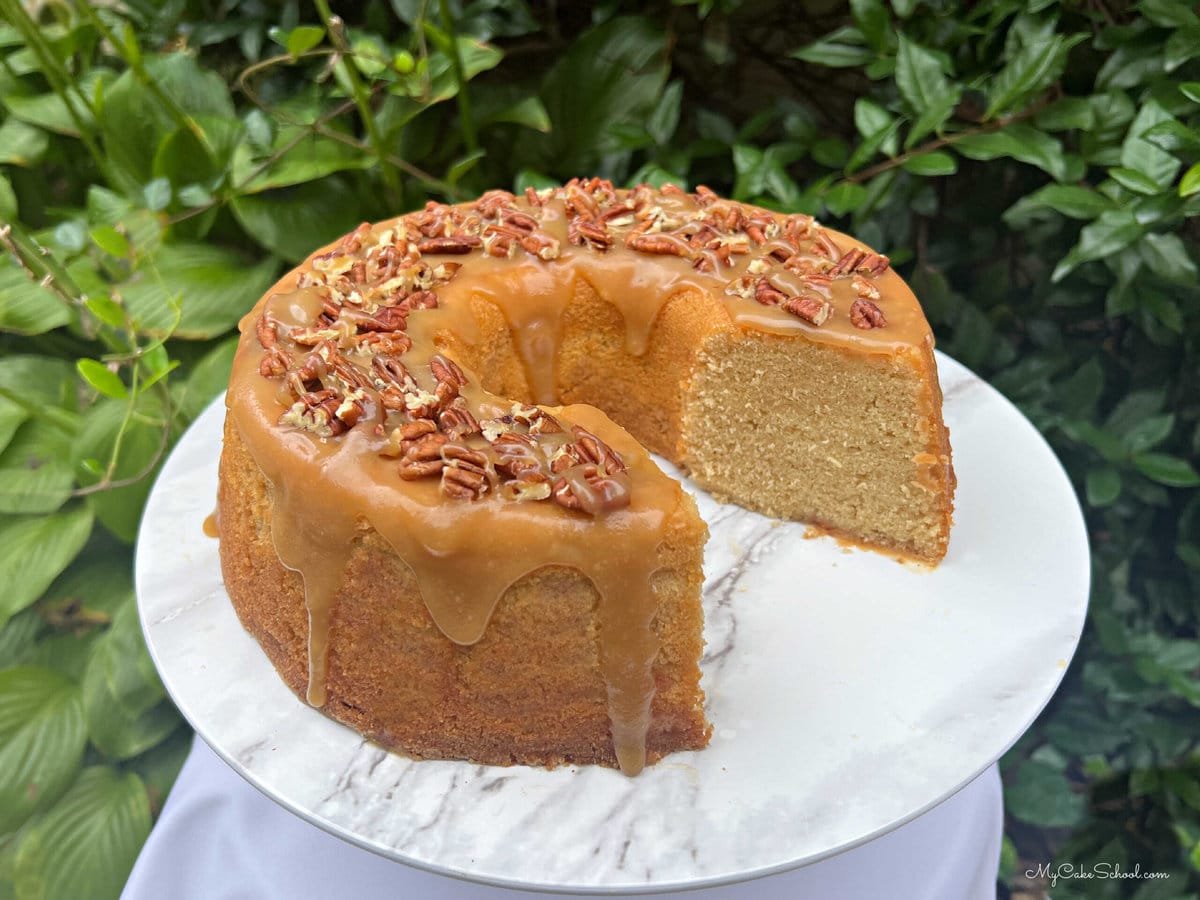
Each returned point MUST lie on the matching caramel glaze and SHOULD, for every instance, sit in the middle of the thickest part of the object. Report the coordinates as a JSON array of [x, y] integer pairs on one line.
[[466, 552], [211, 528]]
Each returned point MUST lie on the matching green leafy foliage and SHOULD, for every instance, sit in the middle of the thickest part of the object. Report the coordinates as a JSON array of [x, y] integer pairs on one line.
[[1033, 169]]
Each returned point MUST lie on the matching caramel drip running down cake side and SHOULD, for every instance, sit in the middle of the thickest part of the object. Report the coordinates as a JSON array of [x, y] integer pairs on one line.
[[358, 415]]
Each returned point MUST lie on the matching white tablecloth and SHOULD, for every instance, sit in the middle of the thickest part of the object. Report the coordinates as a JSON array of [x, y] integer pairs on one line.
[[220, 838]]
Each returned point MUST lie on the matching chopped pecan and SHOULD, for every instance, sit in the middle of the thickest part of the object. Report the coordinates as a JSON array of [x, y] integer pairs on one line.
[[767, 294], [390, 371], [268, 331], [465, 474], [274, 363], [457, 244], [386, 318], [518, 219], [587, 489], [457, 422], [532, 197], [809, 307], [866, 290], [491, 202], [589, 234], [517, 457], [392, 343], [706, 196], [419, 300], [423, 457], [865, 314], [593, 450], [657, 244], [541, 245]]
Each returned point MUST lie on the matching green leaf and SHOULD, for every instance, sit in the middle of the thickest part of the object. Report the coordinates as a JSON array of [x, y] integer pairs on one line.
[[528, 111], [870, 118], [42, 739], [25, 306], [1149, 433], [106, 310], [22, 144], [8, 199], [1020, 141], [840, 49], [1191, 90], [1066, 114], [34, 551], [86, 845], [1031, 70], [1041, 795], [26, 489], [1141, 155], [142, 445], [293, 222], [663, 121], [873, 21], [303, 38], [1068, 200], [1111, 232], [215, 285], [1168, 13], [930, 96], [124, 703], [1103, 486], [111, 241], [207, 379], [845, 197], [304, 156], [1166, 256], [1173, 137], [1190, 183], [1133, 180], [1167, 469], [103, 379], [929, 164], [135, 122], [612, 75]]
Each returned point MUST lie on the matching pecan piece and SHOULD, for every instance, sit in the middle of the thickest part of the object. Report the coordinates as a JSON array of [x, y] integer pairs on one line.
[[587, 489], [268, 331], [465, 474], [767, 294], [274, 363], [865, 314], [457, 244], [423, 457], [457, 422], [517, 457], [541, 245], [594, 451], [657, 244], [589, 234], [810, 308]]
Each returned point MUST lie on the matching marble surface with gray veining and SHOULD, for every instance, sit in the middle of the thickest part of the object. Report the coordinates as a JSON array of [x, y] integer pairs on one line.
[[848, 692]]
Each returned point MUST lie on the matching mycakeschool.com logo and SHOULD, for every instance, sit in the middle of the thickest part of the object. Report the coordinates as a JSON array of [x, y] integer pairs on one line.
[[1097, 872]]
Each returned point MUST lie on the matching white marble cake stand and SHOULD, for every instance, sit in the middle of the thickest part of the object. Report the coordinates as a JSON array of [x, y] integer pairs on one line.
[[849, 693]]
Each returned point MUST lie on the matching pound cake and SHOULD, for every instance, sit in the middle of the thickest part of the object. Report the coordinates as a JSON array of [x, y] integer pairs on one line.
[[437, 511]]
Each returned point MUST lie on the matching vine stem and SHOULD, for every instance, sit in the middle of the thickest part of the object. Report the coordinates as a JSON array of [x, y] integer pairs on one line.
[[938, 143], [362, 98]]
